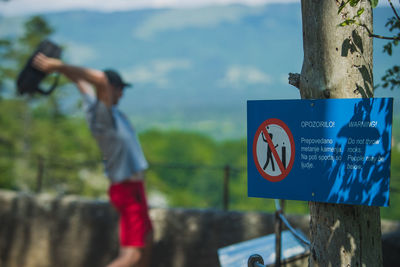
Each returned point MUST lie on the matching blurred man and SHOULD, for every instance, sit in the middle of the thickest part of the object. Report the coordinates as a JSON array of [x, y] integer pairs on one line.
[[123, 156]]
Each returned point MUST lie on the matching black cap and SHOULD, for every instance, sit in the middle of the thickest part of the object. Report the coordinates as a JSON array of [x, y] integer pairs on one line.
[[115, 79]]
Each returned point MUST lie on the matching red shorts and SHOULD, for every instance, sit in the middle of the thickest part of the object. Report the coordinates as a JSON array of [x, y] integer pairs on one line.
[[130, 201]]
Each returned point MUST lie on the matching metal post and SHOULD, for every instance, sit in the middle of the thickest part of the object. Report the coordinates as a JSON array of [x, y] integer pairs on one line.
[[40, 171], [278, 233], [227, 170]]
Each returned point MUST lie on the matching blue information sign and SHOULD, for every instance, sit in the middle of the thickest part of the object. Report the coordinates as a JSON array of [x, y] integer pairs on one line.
[[326, 150]]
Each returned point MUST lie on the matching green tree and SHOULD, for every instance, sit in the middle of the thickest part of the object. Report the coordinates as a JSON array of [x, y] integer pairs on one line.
[[392, 76], [14, 51], [11, 111], [16, 117], [183, 167], [37, 140], [338, 64]]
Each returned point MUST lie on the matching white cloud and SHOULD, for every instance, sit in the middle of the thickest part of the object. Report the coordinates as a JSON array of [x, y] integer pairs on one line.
[[18, 7], [238, 76], [177, 19], [79, 54], [15, 7], [156, 72], [284, 78]]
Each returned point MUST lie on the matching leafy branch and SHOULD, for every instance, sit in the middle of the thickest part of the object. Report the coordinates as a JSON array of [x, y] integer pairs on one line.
[[392, 76], [394, 10], [395, 38], [393, 22]]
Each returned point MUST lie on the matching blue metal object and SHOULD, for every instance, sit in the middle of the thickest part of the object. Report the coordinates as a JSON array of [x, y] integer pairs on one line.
[[327, 150], [255, 260], [240, 254]]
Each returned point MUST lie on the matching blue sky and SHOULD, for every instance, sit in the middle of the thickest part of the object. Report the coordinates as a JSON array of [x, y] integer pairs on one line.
[[160, 69], [18, 7]]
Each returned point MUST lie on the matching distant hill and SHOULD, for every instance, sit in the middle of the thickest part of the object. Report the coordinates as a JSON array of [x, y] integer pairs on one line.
[[195, 68]]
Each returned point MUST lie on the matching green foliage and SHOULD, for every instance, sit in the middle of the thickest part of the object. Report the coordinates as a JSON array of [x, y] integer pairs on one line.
[[353, 20], [393, 212], [393, 24], [374, 3], [14, 52], [360, 11], [10, 136], [187, 168], [36, 30], [65, 145], [352, 3], [347, 22], [38, 141], [391, 78]]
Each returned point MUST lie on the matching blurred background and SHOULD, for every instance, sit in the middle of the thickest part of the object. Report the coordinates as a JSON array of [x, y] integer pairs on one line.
[[194, 64]]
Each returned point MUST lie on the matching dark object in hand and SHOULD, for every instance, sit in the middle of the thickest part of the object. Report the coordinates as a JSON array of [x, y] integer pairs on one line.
[[30, 78]]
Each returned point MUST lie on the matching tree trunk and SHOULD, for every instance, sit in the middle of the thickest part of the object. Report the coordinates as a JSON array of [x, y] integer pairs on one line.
[[338, 64]]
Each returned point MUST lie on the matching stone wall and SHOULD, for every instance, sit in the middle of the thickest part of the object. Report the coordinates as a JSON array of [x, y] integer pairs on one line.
[[42, 231]]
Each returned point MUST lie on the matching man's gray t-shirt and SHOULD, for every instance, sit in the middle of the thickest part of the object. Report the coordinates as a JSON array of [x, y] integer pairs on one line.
[[117, 139]]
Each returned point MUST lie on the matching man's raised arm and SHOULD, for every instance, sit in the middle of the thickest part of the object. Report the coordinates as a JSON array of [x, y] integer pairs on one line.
[[81, 76]]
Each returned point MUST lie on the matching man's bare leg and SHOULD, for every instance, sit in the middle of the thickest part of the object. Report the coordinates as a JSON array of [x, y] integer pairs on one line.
[[128, 257], [134, 256], [145, 260]]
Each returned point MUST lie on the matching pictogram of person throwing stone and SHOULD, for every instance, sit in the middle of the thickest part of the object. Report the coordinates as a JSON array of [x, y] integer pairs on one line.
[[269, 152], [273, 150]]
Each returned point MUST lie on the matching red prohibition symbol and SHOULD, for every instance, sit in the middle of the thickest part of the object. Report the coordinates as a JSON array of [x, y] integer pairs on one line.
[[273, 150]]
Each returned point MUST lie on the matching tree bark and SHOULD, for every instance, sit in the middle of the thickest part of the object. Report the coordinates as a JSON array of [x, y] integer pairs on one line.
[[338, 64]]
